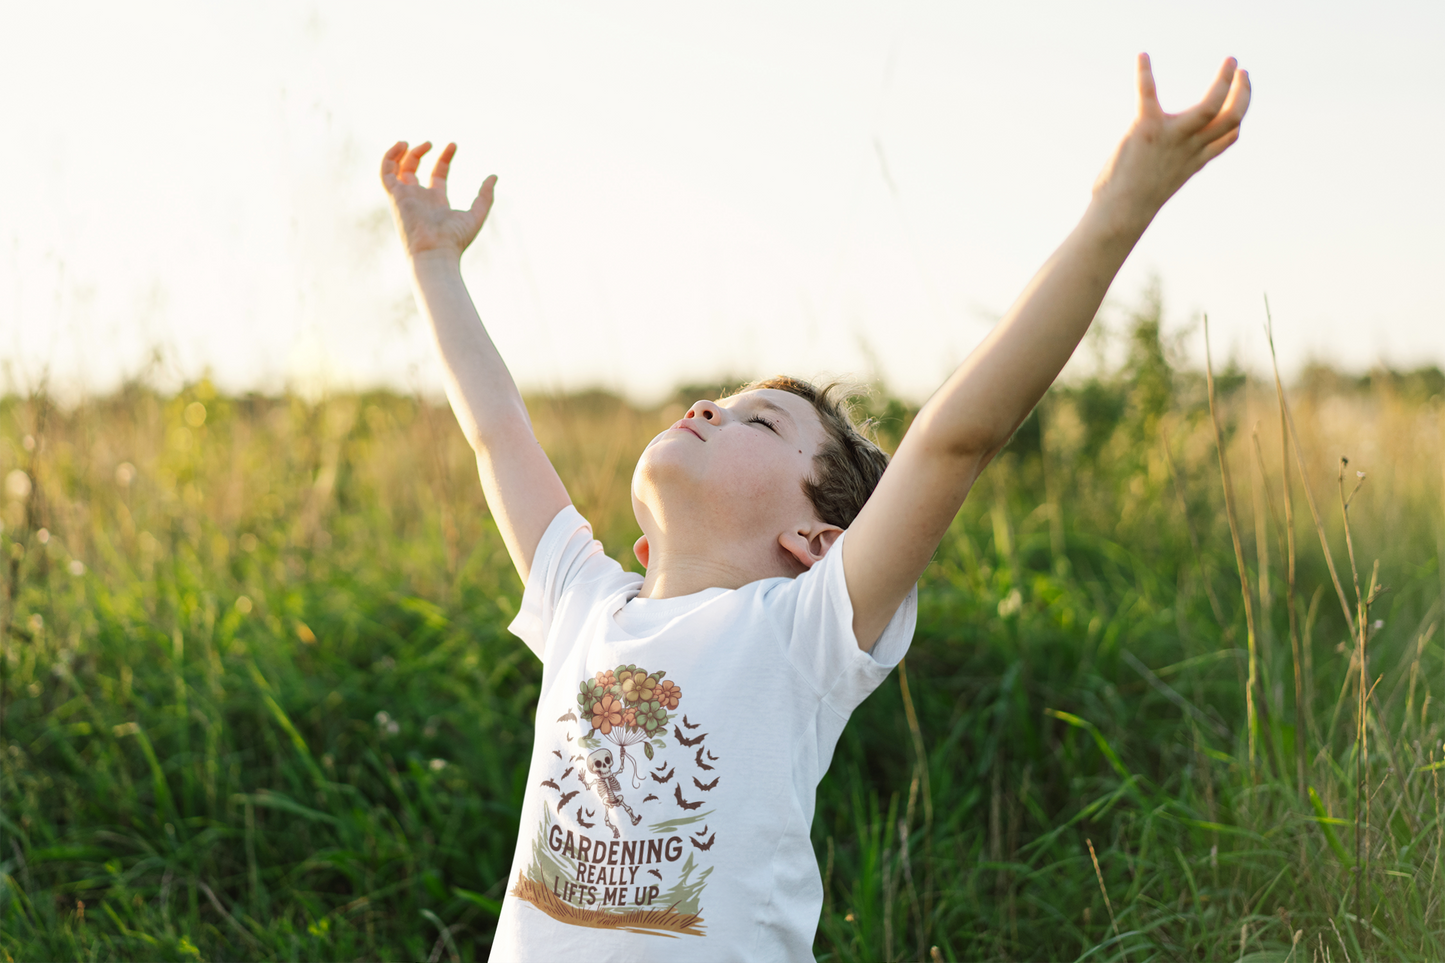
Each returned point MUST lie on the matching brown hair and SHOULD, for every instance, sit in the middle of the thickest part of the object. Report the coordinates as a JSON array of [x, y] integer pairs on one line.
[[848, 464]]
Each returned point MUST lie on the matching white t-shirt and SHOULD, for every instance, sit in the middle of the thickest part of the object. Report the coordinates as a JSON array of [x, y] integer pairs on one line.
[[678, 751]]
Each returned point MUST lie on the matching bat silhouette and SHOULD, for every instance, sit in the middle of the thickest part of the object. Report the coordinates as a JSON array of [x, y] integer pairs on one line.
[[711, 756], [690, 725], [570, 768], [575, 758], [556, 753], [550, 784], [582, 822], [661, 779], [704, 846], [591, 813], [703, 832], [705, 787], [684, 740], [566, 798], [662, 766], [569, 737], [700, 763], [683, 802], [568, 716], [648, 798], [655, 873]]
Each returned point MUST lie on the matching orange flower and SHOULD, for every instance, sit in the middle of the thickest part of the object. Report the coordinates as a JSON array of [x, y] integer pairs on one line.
[[606, 679], [606, 714], [629, 718], [669, 693]]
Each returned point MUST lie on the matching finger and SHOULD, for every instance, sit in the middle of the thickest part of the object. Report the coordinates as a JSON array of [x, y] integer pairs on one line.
[[1239, 95], [1148, 94], [389, 162], [1216, 147], [411, 160], [482, 204], [1232, 113], [1197, 117], [442, 166]]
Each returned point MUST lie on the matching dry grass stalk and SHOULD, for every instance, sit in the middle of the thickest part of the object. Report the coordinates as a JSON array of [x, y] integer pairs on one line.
[[1251, 683], [1363, 601], [1108, 904], [903, 856], [1439, 829], [1294, 636], [921, 754], [1264, 517], [1260, 488], [919, 785], [1422, 639], [1310, 495]]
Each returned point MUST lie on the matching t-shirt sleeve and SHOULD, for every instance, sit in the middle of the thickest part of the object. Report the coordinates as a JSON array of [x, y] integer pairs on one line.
[[817, 617], [566, 558]]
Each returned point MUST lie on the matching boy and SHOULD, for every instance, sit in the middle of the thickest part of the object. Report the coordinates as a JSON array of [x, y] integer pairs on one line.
[[686, 717]]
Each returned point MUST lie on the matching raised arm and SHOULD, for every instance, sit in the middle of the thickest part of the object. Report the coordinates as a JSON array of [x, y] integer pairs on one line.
[[522, 488], [968, 420]]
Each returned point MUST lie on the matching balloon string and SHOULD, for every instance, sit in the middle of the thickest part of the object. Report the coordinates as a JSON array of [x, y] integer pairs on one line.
[[636, 780]]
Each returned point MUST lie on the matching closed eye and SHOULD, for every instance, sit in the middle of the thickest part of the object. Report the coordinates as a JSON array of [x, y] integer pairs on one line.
[[759, 419]]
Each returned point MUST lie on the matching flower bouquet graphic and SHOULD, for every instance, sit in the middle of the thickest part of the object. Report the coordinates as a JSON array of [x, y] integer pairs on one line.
[[628, 707]]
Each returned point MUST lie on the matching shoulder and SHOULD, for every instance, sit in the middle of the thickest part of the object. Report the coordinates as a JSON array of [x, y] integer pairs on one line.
[[817, 609], [571, 576], [568, 553]]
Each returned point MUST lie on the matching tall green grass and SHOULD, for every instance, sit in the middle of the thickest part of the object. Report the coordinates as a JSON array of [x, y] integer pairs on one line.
[[259, 701]]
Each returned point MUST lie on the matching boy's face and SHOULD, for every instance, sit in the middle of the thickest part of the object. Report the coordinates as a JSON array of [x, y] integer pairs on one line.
[[731, 470]]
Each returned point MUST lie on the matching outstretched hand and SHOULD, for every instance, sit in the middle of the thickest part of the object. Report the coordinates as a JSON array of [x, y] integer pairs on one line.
[[970, 419], [1161, 151], [424, 217]]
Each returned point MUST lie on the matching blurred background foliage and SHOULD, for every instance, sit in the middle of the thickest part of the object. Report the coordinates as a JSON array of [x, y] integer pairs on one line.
[[259, 701]]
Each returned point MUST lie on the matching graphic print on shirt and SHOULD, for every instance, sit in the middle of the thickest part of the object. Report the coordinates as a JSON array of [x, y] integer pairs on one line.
[[615, 849]]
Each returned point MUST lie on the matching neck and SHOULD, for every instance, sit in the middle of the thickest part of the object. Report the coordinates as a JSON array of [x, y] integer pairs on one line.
[[673, 572]]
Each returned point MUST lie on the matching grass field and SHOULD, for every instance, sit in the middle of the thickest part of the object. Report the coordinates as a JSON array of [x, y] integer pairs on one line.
[[259, 701]]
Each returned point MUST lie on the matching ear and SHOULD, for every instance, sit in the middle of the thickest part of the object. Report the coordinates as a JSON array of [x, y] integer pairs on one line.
[[640, 549], [809, 545]]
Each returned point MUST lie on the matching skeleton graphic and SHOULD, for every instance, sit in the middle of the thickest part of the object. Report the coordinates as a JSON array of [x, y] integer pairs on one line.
[[599, 763]]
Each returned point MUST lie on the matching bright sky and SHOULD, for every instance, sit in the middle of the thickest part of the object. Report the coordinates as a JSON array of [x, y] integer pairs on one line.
[[688, 190]]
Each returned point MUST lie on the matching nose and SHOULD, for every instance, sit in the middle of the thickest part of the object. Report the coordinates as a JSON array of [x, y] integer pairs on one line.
[[705, 410]]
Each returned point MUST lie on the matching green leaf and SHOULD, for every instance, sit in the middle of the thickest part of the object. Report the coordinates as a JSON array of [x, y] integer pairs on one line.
[[1099, 739], [63, 853], [647, 749], [274, 800], [1322, 817], [477, 899]]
